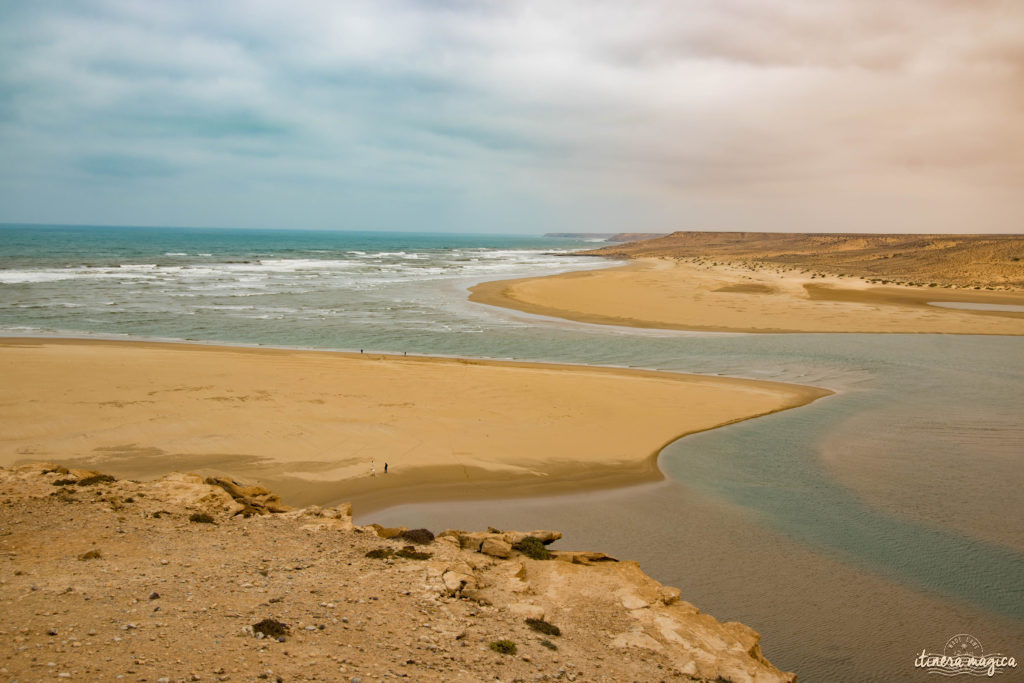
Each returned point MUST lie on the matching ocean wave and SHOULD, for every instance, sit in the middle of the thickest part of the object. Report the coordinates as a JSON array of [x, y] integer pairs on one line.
[[19, 277]]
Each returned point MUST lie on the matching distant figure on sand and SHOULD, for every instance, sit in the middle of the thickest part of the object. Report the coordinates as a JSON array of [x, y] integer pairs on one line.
[[373, 470], [385, 468]]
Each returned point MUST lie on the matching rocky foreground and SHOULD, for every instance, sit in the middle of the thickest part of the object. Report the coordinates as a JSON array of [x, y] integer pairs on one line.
[[186, 579]]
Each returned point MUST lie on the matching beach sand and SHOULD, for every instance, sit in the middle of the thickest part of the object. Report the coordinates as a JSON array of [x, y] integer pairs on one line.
[[308, 423], [687, 295]]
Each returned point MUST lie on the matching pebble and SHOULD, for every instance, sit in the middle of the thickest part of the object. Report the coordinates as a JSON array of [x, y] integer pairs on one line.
[[154, 596]]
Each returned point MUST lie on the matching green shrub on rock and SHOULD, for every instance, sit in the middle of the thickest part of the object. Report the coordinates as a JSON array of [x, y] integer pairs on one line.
[[533, 548]]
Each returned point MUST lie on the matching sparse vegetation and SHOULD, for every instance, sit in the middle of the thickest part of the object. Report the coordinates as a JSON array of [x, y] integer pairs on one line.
[[419, 536], [93, 554], [95, 479], [408, 553], [411, 553], [201, 518], [533, 548], [503, 647], [541, 626], [548, 644], [964, 260]]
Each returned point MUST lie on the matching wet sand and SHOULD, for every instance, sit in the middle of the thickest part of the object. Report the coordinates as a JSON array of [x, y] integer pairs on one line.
[[684, 295], [309, 423]]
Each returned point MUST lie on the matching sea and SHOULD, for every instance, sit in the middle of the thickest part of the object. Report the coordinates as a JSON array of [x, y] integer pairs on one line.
[[854, 533]]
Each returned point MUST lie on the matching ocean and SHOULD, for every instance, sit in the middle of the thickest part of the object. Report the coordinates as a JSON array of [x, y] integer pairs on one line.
[[852, 533]]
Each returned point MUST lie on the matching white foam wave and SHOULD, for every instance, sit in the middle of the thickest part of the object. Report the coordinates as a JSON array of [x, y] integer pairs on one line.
[[20, 277]]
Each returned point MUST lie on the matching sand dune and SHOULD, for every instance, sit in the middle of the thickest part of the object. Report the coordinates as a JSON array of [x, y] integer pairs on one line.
[[309, 423], [697, 295]]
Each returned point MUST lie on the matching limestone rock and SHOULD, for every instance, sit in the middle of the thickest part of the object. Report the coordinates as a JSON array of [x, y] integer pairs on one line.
[[669, 595], [388, 532], [455, 581], [496, 548], [636, 638], [631, 600], [255, 500], [526, 610], [472, 540], [545, 537], [580, 557]]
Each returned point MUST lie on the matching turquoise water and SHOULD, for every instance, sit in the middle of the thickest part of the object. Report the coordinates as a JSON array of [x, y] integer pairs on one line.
[[852, 533]]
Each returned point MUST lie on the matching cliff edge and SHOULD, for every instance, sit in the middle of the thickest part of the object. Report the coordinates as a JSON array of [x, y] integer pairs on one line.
[[186, 579]]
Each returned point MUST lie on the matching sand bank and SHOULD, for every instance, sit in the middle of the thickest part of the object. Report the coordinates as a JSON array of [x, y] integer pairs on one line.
[[308, 423], [684, 295]]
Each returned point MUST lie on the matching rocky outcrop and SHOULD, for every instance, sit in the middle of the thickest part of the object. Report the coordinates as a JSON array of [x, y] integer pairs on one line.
[[255, 500], [185, 572]]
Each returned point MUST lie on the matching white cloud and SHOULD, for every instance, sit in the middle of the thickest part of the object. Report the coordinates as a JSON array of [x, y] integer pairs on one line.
[[529, 115]]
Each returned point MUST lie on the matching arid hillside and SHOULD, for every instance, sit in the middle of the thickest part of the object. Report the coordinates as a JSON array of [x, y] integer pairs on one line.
[[981, 261], [192, 579]]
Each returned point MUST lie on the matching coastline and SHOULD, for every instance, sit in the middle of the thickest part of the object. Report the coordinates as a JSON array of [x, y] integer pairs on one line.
[[449, 428], [666, 293]]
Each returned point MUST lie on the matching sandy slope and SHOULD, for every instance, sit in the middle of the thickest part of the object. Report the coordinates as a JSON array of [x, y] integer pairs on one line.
[[981, 261], [754, 297], [308, 424]]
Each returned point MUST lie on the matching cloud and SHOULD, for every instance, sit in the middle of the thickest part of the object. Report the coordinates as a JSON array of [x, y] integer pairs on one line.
[[124, 166], [521, 116]]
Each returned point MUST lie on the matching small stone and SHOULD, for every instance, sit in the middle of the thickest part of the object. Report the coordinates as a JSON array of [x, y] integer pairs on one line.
[[154, 596], [163, 561], [51, 632]]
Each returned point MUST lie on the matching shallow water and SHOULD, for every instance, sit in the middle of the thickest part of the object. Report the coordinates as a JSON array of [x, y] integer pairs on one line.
[[1011, 308], [852, 533], [848, 576]]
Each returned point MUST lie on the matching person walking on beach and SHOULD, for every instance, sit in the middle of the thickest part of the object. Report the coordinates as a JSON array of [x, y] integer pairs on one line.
[[385, 468], [373, 470]]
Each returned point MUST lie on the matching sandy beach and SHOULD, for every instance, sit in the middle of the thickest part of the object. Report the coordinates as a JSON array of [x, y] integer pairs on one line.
[[308, 424], [689, 295]]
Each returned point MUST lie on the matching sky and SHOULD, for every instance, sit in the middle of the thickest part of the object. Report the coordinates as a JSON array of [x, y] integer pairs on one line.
[[515, 117]]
